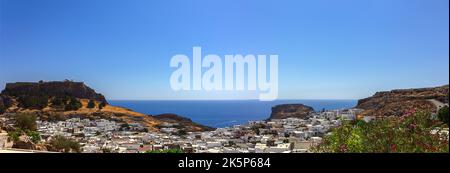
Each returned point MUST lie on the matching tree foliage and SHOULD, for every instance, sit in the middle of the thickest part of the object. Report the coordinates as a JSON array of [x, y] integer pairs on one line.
[[33, 102], [62, 144], [14, 135], [73, 105], [25, 121], [91, 104], [101, 105], [58, 102], [34, 136], [443, 115]]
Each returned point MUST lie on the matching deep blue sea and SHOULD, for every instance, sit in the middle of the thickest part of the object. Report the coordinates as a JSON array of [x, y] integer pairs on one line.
[[224, 113]]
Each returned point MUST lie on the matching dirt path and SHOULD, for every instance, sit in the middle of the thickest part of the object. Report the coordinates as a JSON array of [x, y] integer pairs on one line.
[[437, 103]]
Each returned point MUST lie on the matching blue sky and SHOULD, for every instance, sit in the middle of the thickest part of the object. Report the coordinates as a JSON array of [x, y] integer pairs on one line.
[[328, 49]]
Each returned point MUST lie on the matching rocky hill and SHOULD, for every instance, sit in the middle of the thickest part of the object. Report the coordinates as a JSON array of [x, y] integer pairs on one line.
[[290, 111], [60, 100], [186, 123], [396, 102], [52, 89]]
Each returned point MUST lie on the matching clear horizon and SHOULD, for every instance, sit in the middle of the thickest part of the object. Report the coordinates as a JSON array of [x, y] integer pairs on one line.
[[328, 50], [228, 100]]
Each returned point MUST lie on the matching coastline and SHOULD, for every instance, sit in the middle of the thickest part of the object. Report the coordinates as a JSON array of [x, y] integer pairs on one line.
[[223, 113]]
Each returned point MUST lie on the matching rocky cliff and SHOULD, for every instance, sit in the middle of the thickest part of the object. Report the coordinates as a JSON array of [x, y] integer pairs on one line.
[[52, 89], [290, 111], [396, 102]]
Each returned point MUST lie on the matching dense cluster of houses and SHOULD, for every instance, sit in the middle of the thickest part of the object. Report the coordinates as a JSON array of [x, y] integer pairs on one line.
[[272, 136]]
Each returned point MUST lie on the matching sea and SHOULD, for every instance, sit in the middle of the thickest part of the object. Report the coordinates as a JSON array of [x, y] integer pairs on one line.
[[224, 113]]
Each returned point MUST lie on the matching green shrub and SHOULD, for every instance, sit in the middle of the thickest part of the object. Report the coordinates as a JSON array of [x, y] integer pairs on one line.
[[409, 133], [101, 105], [443, 115], [35, 136], [25, 121], [62, 144], [58, 102], [73, 105], [91, 104], [14, 135]]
